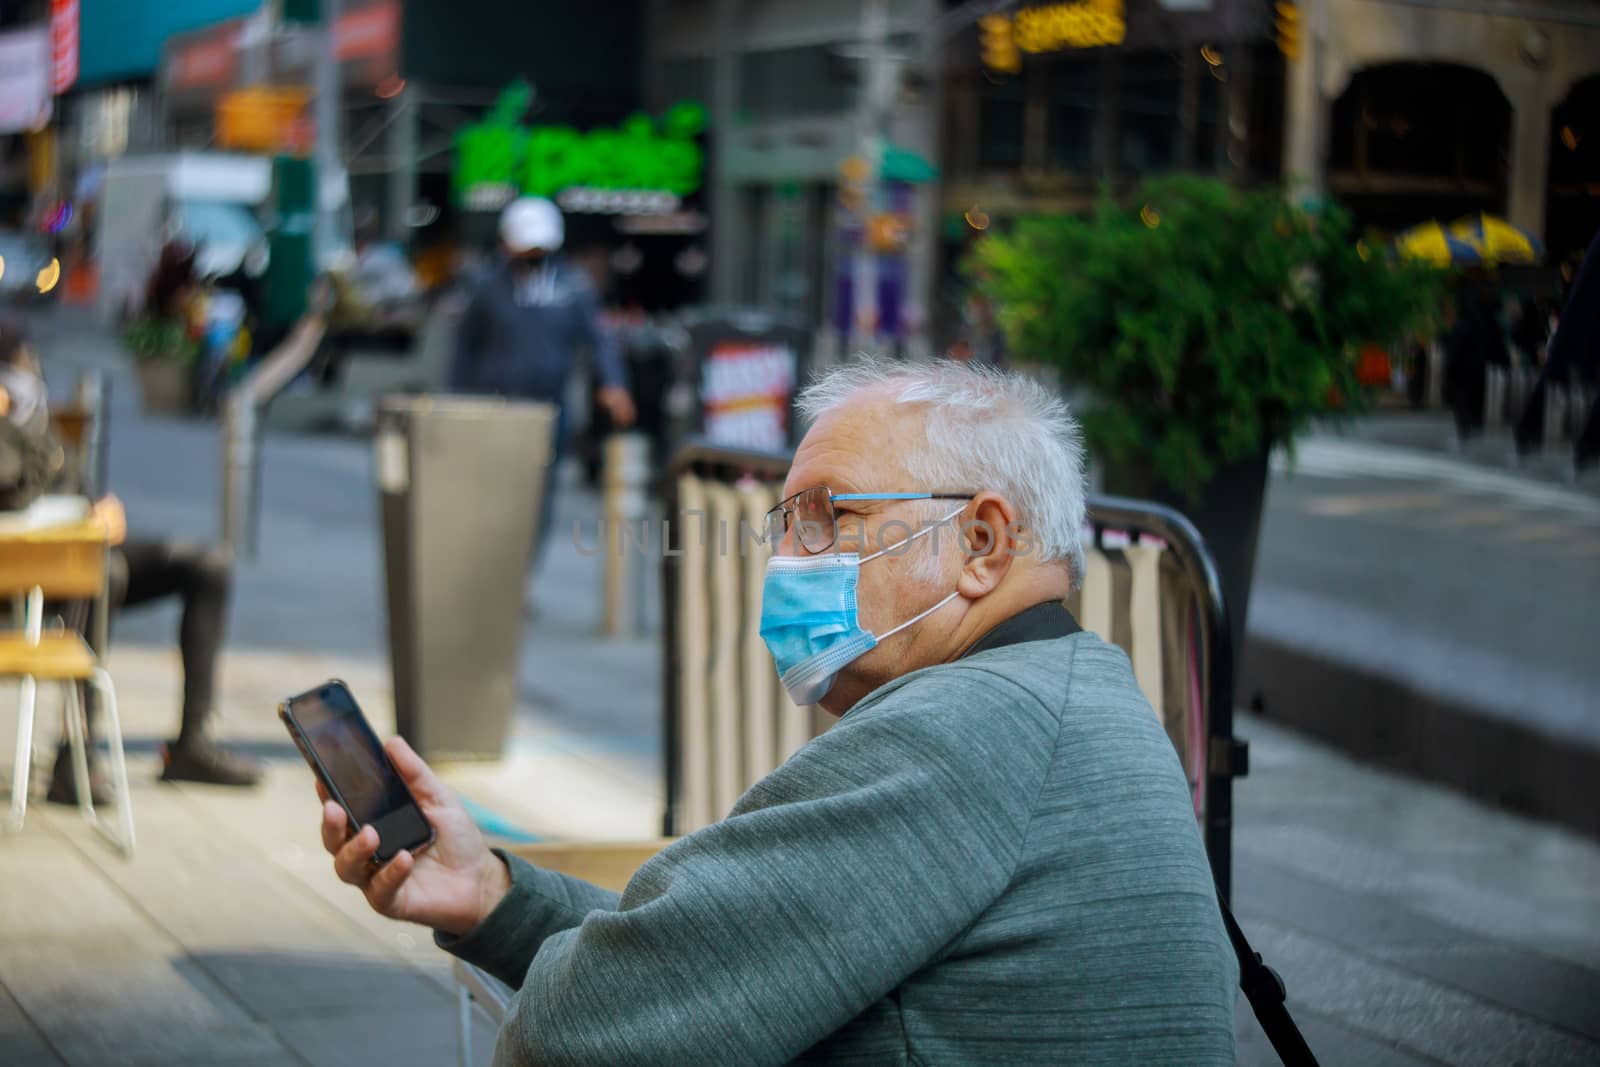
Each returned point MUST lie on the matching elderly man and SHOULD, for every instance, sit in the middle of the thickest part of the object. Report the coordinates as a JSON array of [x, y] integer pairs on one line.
[[991, 856]]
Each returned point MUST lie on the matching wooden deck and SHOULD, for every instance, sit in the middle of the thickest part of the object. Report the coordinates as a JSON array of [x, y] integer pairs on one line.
[[226, 940]]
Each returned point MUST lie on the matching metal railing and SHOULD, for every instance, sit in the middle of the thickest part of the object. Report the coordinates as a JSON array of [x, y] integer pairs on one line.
[[241, 432]]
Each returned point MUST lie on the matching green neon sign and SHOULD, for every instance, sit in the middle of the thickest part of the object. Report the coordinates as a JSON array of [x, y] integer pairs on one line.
[[500, 153]]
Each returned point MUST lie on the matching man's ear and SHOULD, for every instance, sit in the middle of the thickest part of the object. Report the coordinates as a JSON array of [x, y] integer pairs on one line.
[[988, 541]]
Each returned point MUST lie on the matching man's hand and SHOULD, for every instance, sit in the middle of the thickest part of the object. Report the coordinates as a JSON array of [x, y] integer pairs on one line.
[[108, 512], [451, 886], [618, 404]]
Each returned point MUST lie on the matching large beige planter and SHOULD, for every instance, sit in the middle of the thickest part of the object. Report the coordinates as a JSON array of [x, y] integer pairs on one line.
[[163, 386]]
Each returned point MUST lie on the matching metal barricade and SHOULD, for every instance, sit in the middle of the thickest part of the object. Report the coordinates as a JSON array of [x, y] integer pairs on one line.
[[1150, 586], [241, 432]]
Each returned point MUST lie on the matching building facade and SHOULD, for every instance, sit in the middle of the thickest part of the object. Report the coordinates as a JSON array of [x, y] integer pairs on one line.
[[1047, 104], [787, 86], [411, 76], [1190, 85], [1413, 109]]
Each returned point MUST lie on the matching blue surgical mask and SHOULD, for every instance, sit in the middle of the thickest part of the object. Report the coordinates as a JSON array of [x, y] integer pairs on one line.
[[809, 619]]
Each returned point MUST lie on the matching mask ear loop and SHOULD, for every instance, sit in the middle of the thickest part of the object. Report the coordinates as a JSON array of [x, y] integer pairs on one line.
[[880, 638], [932, 526], [918, 618]]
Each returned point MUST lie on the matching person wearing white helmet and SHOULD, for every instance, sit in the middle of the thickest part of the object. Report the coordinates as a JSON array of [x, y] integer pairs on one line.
[[527, 320]]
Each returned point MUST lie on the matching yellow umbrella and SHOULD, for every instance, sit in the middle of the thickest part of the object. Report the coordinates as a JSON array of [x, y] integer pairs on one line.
[[1430, 243], [1496, 240]]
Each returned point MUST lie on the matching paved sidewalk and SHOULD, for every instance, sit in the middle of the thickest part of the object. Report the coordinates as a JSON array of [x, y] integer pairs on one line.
[[1411, 924], [1436, 616], [1435, 432], [227, 939]]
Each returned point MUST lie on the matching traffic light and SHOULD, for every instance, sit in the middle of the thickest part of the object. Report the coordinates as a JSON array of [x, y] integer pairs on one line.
[[1289, 27], [999, 45]]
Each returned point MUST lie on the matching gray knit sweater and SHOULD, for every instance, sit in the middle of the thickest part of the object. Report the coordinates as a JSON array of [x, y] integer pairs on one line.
[[994, 860]]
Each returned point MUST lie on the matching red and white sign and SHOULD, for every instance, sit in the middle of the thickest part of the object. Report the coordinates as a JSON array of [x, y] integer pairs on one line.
[[63, 44], [746, 391], [206, 62], [368, 32]]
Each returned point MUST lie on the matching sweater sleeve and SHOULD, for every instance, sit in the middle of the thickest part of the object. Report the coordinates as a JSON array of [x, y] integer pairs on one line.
[[539, 903], [833, 880]]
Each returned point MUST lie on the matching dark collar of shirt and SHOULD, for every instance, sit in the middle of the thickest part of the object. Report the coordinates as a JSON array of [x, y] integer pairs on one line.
[[1042, 622]]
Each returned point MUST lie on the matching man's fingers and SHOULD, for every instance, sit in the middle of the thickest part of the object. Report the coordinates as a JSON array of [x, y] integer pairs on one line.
[[353, 862], [385, 884], [322, 790], [424, 784], [335, 827]]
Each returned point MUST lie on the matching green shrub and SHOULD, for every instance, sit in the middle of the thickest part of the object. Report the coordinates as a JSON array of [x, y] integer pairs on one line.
[[1206, 322], [152, 337]]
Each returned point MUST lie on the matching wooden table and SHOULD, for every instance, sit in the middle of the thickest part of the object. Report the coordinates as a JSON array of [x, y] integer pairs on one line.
[[67, 560], [61, 558]]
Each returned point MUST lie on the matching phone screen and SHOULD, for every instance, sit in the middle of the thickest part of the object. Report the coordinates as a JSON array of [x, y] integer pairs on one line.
[[354, 764]]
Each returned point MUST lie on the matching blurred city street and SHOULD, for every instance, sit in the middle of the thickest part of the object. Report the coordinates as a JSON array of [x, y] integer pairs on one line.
[[1413, 925], [1305, 294]]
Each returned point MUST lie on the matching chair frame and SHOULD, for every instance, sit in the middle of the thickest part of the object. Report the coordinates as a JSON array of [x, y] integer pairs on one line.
[[81, 426], [31, 610]]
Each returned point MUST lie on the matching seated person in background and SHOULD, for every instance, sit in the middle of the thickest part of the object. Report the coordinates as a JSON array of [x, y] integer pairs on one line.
[[139, 571], [991, 856]]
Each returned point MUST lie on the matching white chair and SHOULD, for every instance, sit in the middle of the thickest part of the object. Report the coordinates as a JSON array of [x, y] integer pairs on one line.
[[66, 563]]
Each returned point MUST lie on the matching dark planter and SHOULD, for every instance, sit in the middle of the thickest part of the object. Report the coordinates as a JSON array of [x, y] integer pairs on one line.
[[1227, 513]]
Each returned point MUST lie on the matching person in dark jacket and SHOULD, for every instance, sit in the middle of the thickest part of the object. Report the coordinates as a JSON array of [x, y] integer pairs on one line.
[[139, 570], [525, 322], [1574, 359], [1474, 342]]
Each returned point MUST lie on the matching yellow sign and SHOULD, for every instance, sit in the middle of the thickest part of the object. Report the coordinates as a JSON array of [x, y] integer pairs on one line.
[[999, 44], [1288, 21], [263, 119], [887, 233], [1085, 24], [41, 158]]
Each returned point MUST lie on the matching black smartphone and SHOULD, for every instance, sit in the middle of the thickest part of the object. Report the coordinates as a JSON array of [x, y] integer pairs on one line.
[[349, 761]]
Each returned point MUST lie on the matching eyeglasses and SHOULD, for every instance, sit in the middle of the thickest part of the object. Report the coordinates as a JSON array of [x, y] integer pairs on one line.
[[810, 513]]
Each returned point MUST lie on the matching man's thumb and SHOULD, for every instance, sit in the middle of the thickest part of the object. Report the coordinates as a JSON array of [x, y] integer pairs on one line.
[[417, 775]]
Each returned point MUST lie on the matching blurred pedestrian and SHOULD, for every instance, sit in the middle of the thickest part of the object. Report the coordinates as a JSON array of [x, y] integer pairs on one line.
[[525, 322], [1574, 358], [139, 570], [1474, 343], [1530, 331]]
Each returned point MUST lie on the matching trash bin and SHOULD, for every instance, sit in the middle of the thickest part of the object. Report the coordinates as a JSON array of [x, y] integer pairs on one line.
[[460, 481]]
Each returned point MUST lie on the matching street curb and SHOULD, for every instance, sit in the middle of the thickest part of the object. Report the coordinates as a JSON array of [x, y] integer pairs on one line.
[[1384, 720]]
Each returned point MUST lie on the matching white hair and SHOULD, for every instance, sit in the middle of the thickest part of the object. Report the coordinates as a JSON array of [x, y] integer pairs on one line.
[[985, 429]]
